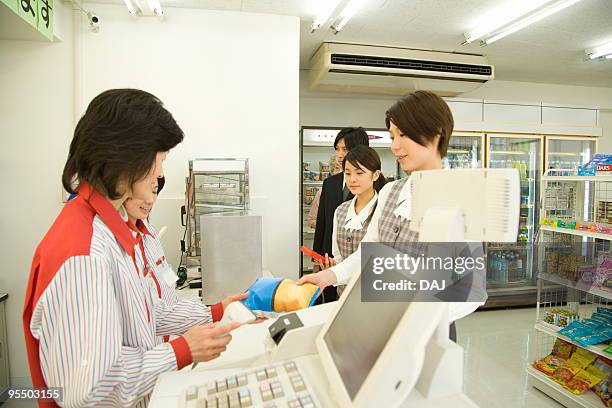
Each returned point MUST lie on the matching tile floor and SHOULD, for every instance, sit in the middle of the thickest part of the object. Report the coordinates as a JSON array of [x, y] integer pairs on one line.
[[496, 344]]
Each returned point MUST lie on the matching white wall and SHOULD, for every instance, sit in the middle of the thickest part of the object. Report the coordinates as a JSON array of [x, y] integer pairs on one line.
[[319, 108], [35, 126], [231, 81]]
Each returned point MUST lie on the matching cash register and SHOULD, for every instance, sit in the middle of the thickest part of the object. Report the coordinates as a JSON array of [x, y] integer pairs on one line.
[[387, 354]]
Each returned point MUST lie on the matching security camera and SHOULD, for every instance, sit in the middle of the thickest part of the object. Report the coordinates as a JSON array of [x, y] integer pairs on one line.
[[94, 21]]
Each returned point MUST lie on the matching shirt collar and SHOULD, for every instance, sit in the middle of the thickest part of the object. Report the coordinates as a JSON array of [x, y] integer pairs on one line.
[[109, 215], [404, 194], [404, 201], [139, 227], [142, 227], [355, 221]]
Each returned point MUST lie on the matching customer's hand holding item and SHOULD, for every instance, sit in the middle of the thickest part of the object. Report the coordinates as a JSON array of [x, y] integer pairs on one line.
[[322, 279], [233, 298], [207, 342], [328, 263]]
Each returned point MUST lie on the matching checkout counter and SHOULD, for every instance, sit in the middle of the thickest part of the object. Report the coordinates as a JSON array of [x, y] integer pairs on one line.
[[356, 354], [362, 367]]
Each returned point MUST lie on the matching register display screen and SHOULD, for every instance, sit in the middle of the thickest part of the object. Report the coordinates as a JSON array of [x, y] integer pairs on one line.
[[358, 335]]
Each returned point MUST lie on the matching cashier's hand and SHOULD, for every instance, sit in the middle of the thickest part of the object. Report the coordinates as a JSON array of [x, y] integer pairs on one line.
[[328, 263], [233, 298], [209, 341], [322, 279]]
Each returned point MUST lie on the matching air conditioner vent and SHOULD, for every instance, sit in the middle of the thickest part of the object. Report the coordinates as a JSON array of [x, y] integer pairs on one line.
[[412, 64]]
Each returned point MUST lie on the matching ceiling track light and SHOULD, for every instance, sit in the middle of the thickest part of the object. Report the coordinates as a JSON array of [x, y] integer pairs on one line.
[[495, 31]]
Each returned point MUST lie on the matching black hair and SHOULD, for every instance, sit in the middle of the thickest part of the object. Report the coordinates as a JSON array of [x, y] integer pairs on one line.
[[353, 136], [422, 116], [118, 139], [161, 181], [364, 156]]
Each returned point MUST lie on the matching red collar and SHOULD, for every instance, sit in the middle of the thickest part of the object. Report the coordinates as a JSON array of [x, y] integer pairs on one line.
[[109, 215], [142, 227], [139, 227]]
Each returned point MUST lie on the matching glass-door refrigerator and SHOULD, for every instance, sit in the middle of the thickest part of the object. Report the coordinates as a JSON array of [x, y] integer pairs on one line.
[[510, 267], [317, 158], [567, 153], [465, 151]]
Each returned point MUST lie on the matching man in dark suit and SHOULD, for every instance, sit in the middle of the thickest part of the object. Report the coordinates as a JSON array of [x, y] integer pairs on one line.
[[334, 193]]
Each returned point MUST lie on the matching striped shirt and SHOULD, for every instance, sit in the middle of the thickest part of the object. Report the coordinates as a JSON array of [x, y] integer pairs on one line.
[[178, 315], [90, 324]]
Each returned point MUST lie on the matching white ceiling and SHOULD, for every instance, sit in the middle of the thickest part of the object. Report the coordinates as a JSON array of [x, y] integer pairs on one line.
[[550, 51]]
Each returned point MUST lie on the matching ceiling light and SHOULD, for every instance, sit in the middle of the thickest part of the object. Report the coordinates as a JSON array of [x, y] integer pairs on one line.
[[506, 24], [347, 13], [324, 14], [155, 7], [602, 51], [502, 16], [130, 7], [533, 18]]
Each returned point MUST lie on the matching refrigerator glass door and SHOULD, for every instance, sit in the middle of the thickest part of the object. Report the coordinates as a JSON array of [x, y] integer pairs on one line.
[[465, 151], [511, 265], [567, 153]]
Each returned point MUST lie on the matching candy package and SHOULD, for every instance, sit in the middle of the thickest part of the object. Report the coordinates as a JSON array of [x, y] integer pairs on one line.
[[562, 349], [575, 329], [560, 353], [579, 361], [603, 388], [602, 317], [560, 317], [566, 317], [600, 335], [549, 364], [585, 379], [550, 317]]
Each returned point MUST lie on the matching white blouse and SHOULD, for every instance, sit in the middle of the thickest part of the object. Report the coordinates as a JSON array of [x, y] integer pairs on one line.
[[353, 222]]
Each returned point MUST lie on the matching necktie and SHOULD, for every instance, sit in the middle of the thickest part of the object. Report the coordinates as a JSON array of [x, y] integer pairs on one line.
[[345, 193]]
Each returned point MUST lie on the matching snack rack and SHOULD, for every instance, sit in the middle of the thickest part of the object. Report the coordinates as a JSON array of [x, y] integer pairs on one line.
[[573, 262]]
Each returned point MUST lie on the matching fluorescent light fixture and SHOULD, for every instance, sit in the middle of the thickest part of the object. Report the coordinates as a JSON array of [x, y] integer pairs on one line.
[[347, 13], [509, 21], [324, 14], [602, 51], [130, 7], [155, 7], [502, 16], [533, 18]]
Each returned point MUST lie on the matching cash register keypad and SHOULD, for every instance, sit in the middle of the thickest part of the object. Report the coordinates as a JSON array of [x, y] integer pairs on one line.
[[274, 386]]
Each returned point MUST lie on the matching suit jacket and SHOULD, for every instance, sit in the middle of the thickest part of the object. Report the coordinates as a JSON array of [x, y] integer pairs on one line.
[[331, 198]]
